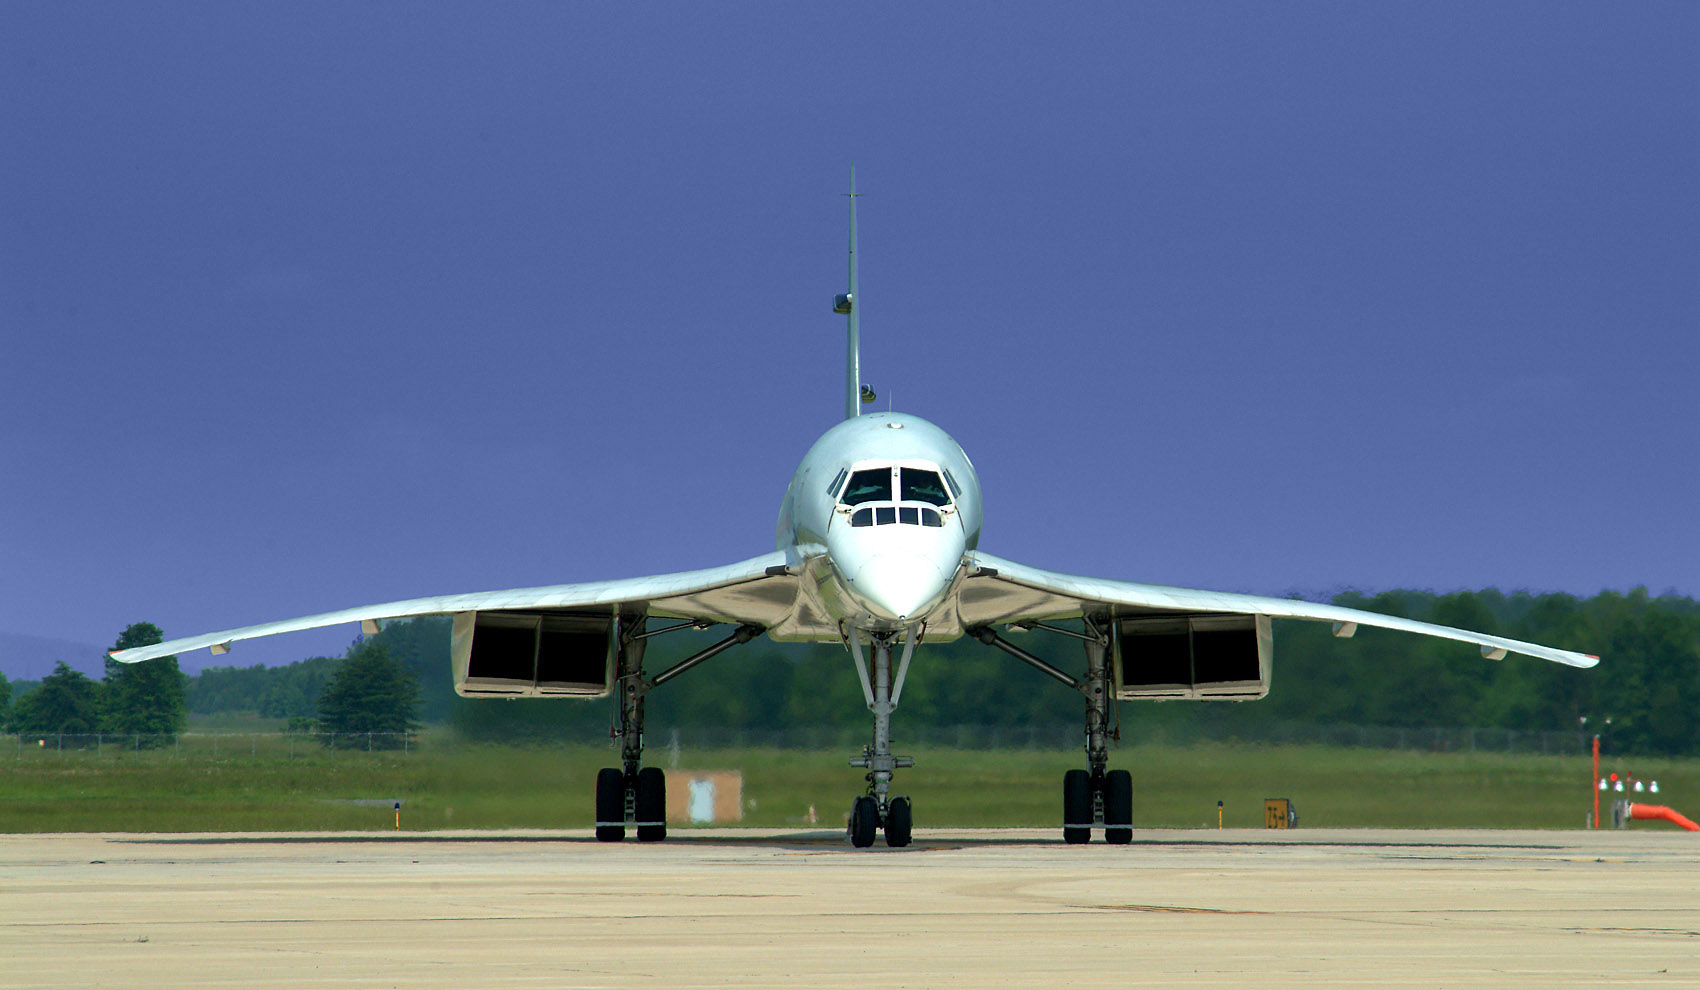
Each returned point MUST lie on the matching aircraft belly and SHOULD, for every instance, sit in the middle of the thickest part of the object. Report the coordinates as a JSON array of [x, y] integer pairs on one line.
[[832, 604], [991, 602]]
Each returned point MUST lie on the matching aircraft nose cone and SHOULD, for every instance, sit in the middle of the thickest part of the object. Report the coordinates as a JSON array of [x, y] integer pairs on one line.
[[899, 585]]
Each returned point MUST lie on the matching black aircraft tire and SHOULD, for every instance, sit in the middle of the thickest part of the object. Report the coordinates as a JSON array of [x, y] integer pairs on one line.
[[651, 804], [1118, 807], [864, 821], [1077, 807], [610, 805], [898, 822]]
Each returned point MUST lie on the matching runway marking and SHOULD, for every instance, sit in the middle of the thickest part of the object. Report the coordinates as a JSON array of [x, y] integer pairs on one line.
[[1161, 909], [1637, 931]]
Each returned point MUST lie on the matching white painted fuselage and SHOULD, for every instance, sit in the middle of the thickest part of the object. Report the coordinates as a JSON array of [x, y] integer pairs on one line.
[[892, 556]]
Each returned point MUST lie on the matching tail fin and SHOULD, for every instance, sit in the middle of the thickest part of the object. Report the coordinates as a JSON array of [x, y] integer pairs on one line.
[[848, 304]]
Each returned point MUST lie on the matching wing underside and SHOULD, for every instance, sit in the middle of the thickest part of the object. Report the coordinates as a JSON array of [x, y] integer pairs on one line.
[[998, 591], [765, 591]]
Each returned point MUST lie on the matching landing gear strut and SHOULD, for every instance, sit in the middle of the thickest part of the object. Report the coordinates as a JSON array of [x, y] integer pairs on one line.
[[634, 794], [1094, 797], [878, 808], [1111, 791]]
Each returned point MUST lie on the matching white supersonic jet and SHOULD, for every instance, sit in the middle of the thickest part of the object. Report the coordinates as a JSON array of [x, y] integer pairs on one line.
[[878, 550]]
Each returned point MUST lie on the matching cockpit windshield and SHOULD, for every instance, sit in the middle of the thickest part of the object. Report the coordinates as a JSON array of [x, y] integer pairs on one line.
[[873, 485], [913, 485], [920, 485]]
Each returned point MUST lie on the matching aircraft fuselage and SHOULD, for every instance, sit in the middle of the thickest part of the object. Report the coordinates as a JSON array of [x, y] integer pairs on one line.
[[893, 554]]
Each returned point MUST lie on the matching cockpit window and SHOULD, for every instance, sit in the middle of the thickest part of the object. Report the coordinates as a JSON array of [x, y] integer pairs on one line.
[[873, 485], [950, 479], [885, 515], [837, 479], [923, 486]]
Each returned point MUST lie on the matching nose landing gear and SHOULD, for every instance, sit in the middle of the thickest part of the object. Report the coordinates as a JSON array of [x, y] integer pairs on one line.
[[878, 809]]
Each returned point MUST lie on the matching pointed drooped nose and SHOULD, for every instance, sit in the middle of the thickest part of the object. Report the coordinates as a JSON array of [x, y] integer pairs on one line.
[[899, 585]]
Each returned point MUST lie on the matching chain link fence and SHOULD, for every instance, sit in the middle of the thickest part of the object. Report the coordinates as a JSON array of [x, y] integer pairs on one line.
[[290, 745], [214, 744]]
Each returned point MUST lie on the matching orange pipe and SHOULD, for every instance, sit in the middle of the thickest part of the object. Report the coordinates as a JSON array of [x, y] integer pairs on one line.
[[1648, 811]]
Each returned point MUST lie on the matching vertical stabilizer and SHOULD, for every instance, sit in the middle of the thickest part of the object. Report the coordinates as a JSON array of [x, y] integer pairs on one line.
[[849, 304]]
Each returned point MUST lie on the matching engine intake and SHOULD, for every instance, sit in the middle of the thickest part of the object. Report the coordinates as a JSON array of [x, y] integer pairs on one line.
[[1193, 657], [535, 654]]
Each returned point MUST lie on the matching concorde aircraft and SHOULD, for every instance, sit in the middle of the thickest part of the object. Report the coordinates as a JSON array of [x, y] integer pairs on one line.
[[878, 550]]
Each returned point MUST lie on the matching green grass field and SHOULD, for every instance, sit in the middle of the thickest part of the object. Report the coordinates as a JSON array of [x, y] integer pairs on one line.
[[267, 783]]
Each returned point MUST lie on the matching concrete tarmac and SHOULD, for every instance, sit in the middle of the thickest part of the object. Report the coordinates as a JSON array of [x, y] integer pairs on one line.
[[763, 908]]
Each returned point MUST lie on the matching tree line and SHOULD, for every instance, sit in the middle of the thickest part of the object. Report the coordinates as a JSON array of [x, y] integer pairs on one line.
[[131, 698], [1648, 682], [365, 691]]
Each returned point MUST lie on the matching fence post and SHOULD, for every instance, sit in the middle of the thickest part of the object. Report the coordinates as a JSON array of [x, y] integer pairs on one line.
[[368, 740], [61, 743]]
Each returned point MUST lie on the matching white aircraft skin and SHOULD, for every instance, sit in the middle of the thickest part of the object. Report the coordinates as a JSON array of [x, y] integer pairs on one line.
[[878, 546], [883, 577]]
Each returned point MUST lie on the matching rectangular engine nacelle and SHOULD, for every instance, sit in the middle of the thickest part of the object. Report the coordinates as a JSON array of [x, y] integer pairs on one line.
[[534, 654], [1193, 657]]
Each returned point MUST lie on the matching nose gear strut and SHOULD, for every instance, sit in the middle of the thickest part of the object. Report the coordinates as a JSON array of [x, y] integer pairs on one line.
[[878, 808]]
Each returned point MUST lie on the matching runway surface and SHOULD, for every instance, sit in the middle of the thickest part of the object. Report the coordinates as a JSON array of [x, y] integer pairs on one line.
[[763, 908]]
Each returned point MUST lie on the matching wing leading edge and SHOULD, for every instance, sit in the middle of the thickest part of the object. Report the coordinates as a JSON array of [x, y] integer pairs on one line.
[[760, 591], [1002, 591]]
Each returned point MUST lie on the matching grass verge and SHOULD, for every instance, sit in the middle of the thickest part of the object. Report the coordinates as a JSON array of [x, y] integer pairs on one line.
[[449, 784]]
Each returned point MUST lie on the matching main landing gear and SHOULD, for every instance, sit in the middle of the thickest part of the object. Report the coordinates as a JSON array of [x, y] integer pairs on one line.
[[1095, 797], [879, 809], [633, 794]]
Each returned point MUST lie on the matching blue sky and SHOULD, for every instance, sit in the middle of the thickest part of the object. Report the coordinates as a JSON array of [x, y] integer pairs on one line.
[[308, 306]]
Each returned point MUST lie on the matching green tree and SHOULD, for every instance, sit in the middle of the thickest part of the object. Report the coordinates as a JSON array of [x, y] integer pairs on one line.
[[146, 697], [5, 701], [370, 692], [66, 701]]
